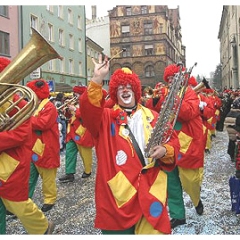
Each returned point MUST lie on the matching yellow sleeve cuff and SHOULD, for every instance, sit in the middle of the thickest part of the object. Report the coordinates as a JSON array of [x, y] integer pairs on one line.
[[169, 156], [95, 93]]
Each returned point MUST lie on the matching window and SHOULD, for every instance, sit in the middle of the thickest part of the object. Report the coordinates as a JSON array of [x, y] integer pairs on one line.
[[80, 68], [70, 16], [62, 65], [50, 32], [89, 74], [60, 11], [148, 49], [127, 52], [4, 43], [161, 28], [128, 11], [70, 66], [34, 22], [61, 37], [149, 71], [125, 30], [79, 25], [144, 10], [4, 11], [80, 45], [50, 65], [71, 41], [88, 51], [148, 28], [50, 8]]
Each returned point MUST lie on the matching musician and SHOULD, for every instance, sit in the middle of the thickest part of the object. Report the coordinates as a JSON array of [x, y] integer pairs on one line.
[[130, 193], [187, 174], [78, 139], [14, 176], [45, 145], [155, 102], [59, 101]]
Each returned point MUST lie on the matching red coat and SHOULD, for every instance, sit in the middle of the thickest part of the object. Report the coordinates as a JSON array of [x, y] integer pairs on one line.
[[15, 161], [45, 141], [123, 193], [77, 132], [190, 132]]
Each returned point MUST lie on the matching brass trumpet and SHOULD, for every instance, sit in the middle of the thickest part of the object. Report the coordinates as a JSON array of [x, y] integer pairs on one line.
[[201, 86], [33, 55], [73, 101], [149, 92]]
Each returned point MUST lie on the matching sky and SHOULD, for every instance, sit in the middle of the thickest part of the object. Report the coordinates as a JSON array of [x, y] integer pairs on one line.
[[200, 23]]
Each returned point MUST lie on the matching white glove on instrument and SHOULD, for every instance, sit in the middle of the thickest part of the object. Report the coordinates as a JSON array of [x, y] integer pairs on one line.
[[202, 105]]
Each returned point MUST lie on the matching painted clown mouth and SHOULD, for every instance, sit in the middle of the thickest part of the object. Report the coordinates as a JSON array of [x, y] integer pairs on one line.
[[126, 96]]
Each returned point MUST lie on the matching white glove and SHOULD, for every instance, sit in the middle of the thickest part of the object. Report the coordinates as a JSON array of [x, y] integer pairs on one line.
[[202, 105]]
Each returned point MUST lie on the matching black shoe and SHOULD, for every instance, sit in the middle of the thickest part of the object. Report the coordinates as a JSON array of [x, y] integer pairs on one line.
[[47, 207], [207, 151], [86, 175], [67, 178], [13, 216], [199, 208], [9, 213], [176, 222]]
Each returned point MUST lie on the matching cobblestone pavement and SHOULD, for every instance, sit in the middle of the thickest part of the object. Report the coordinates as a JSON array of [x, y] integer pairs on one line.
[[74, 210]]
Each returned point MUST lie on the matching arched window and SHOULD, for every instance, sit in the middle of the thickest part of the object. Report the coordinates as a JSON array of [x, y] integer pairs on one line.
[[149, 71]]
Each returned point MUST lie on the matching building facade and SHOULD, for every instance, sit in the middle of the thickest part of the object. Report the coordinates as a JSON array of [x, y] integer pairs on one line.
[[10, 41], [150, 37], [98, 30], [229, 36], [93, 51], [63, 27]]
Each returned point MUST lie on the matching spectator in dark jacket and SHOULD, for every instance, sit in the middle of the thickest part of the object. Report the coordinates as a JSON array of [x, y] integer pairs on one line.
[[229, 123]]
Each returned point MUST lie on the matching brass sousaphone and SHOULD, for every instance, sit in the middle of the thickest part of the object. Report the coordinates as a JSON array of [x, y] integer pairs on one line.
[[37, 52]]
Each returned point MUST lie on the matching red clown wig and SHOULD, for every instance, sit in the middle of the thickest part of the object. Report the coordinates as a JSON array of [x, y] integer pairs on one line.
[[40, 87], [123, 77], [192, 81], [170, 71]]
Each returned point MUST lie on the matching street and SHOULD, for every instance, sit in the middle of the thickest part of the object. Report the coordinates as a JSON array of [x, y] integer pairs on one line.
[[74, 210]]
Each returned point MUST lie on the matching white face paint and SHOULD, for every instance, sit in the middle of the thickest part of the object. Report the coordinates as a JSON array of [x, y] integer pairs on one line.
[[125, 95]]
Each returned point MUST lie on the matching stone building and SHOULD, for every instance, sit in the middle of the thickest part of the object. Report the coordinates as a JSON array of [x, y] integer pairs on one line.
[[229, 36], [150, 37]]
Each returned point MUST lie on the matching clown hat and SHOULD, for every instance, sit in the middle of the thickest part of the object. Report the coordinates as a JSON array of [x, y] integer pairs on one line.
[[79, 89], [40, 87]]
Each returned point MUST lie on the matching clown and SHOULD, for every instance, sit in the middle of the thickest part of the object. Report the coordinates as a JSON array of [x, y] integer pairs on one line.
[[45, 145], [188, 173], [15, 157], [78, 140], [130, 194]]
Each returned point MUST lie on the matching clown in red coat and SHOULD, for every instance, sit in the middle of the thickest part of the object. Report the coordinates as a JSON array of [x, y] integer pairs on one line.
[[130, 196], [78, 140], [187, 174], [15, 158], [45, 145]]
